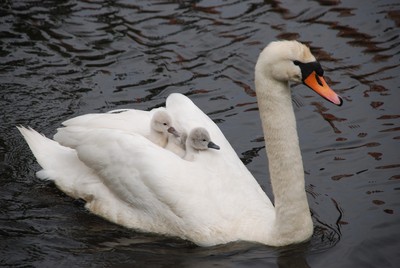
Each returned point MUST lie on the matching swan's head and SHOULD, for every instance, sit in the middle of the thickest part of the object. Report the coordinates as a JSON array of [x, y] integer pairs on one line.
[[162, 122], [292, 61], [199, 139]]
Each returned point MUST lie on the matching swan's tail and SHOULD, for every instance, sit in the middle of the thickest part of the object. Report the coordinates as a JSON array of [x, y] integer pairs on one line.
[[70, 136], [60, 164]]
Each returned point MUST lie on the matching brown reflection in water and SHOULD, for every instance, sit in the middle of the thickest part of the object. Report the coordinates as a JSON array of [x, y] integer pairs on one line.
[[329, 2], [362, 77], [375, 88], [276, 7], [322, 55], [288, 36], [359, 39], [376, 104], [235, 38], [343, 12], [330, 118], [379, 57], [395, 177], [208, 10], [356, 37], [390, 129], [395, 16], [389, 116], [378, 202], [388, 211], [376, 155], [389, 166], [246, 88], [247, 104], [197, 91], [341, 176], [338, 177]]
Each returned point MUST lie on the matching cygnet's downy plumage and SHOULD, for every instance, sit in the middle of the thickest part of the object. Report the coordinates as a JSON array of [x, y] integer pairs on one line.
[[198, 140]]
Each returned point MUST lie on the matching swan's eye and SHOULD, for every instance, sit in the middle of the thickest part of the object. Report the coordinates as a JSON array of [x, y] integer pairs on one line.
[[308, 68], [165, 124]]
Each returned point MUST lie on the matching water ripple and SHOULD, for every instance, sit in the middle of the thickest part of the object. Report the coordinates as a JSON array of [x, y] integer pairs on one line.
[[60, 59]]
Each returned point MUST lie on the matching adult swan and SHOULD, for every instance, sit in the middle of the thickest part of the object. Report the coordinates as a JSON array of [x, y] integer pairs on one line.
[[213, 199]]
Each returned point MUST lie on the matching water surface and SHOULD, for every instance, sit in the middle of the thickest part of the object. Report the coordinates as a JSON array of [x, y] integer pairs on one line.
[[61, 59]]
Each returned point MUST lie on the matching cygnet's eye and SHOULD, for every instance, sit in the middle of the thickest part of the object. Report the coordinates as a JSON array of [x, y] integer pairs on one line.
[[165, 124], [204, 140]]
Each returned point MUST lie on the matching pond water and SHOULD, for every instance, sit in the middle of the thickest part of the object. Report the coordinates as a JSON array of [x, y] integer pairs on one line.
[[64, 58]]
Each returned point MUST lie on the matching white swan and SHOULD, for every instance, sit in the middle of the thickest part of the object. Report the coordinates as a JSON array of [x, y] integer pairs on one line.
[[214, 199], [155, 125]]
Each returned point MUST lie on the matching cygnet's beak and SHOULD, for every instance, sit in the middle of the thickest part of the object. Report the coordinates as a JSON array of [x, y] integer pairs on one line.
[[318, 84], [212, 145], [173, 131]]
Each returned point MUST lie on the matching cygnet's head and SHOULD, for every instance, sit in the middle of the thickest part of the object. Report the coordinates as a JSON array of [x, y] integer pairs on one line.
[[292, 61], [162, 122], [199, 139]]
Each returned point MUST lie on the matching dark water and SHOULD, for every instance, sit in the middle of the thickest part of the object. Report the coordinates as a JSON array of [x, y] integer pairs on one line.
[[60, 59]]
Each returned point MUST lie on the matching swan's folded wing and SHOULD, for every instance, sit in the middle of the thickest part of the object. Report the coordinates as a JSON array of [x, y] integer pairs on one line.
[[189, 199], [189, 116], [124, 119], [72, 133], [142, 174]]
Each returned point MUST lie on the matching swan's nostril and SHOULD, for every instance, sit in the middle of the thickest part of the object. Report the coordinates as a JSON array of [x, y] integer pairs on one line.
[[318, 80]]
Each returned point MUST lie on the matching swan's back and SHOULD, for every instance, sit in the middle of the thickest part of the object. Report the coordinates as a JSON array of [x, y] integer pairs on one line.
[[200, 200], [209, 201], [188, 116], [129, 120]]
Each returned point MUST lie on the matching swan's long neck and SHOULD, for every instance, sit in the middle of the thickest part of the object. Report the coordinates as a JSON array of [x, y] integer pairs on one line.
[[293, 221]]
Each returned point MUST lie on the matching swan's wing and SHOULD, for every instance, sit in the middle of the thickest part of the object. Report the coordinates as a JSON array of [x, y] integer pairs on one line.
[[73, 135], [188, 115], [133, 167], [151, 180], [129, 120], [194, 200]]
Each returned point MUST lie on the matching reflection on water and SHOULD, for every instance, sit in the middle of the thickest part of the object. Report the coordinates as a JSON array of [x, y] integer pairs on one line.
[[60, 59]]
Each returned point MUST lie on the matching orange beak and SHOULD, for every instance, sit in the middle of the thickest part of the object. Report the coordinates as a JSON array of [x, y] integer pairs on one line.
[[318, 84]]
